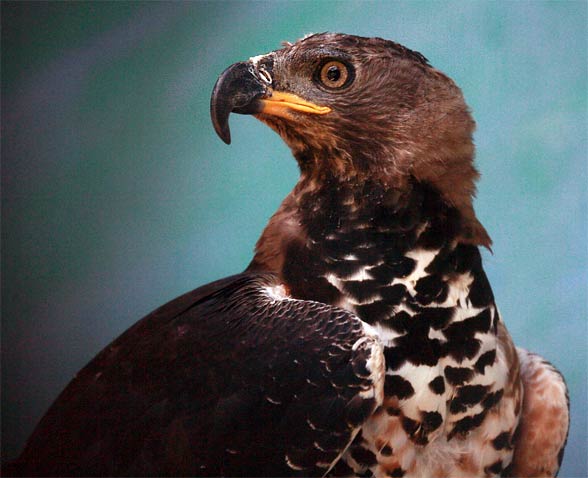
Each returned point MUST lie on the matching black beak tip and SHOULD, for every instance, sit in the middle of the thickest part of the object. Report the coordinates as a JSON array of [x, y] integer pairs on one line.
[[220, 109], [223, 131], [236, 90]]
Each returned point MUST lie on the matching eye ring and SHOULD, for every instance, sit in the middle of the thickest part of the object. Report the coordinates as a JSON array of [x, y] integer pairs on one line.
[[334, 75]]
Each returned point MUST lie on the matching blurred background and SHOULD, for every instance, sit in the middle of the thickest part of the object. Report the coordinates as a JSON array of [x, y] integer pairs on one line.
[[117, 196]]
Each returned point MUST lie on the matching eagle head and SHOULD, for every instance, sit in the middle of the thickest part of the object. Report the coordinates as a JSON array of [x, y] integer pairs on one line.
[[358, 109]]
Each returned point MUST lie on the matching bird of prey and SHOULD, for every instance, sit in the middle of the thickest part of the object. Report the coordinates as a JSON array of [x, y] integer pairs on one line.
[[363, 338]]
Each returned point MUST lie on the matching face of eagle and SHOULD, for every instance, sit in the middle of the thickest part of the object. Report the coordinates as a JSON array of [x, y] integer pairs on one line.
[[356, 109]]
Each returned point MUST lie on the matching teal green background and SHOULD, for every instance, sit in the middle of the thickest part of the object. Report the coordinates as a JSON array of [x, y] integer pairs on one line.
[[117, 195]]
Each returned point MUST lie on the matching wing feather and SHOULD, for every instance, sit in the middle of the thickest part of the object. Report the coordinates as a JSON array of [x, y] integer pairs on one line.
[[545, 419], [230, 379]]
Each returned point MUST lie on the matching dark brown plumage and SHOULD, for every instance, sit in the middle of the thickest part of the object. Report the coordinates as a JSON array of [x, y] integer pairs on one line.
[[221, 381], [400, 121], [363, 338]]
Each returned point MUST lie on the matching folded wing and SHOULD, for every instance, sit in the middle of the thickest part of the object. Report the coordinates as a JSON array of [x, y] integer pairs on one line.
[[235, 378], [545, 418]]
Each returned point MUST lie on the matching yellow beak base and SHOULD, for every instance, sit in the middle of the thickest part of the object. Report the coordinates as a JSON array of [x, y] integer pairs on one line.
[[281, 104]]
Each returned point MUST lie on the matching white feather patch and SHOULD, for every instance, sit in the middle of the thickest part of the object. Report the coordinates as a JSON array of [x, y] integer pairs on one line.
[[277, 292], [422, 258]]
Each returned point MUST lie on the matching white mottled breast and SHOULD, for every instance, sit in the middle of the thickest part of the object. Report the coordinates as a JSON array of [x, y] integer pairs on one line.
[[396, 437]]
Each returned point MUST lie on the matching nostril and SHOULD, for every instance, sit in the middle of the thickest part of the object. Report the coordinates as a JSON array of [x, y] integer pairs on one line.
[[265, 76]]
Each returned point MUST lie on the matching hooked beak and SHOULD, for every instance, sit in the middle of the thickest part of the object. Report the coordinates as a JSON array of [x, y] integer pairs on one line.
[[236, 90], [239, 89]]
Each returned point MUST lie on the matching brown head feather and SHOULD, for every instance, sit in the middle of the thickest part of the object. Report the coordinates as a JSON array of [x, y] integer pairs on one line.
[[399, 121]]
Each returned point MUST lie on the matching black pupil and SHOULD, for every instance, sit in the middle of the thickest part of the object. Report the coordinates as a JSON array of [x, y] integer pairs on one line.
[[333, 73]]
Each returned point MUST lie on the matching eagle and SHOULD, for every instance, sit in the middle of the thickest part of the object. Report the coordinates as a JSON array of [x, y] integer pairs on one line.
[[363, 339]]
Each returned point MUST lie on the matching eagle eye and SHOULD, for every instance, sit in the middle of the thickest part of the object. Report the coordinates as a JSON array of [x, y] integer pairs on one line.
[[334, 75]]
